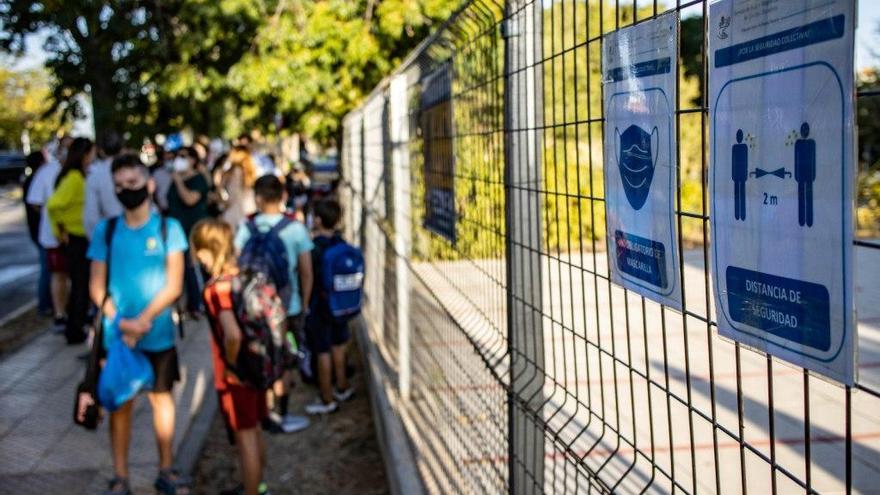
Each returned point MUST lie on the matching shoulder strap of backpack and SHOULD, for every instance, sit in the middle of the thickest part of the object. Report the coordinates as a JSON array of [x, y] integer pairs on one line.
[[281, 225], [336, 239], [220, 344], [252, 227], [108, 240], [95, 352], [163, 229]]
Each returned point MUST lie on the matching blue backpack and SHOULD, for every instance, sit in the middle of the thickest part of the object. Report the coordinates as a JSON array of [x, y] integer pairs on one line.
[[342, 279], [266, 253]]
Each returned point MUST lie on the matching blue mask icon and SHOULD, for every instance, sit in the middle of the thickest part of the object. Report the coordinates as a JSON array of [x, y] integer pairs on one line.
[[636, 159]]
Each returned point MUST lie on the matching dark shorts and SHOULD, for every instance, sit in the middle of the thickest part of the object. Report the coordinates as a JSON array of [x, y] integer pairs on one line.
[[322, 333], [165, 368], [56, 260]]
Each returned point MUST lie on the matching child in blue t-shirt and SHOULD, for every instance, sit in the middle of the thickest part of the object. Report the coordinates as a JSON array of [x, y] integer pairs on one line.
[[270, 196], [145, 254]]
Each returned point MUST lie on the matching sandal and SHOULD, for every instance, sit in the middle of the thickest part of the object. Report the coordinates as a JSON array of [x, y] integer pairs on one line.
[[171, 482], [118, 486]]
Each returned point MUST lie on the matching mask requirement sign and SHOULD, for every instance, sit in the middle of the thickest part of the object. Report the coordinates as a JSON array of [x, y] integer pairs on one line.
[[638, 66], [781, 128]]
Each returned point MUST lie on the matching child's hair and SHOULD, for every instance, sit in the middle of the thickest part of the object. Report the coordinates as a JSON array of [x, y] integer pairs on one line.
[[35, 160], [76, 156], [240, 157], [191, 153], [128, 160], [269, 188], [214, 236], [329, 211]]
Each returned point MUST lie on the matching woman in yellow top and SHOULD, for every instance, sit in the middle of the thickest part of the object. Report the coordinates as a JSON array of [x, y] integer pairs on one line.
[[65, 208]]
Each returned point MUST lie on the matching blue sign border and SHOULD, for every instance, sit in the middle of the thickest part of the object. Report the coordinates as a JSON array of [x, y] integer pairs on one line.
[[843, 192], [675, 268]]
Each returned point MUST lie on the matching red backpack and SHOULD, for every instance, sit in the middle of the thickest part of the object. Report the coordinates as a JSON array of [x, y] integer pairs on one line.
[[261, 316]]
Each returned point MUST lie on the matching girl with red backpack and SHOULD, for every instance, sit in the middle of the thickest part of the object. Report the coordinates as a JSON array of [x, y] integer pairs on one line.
[[247, 321]]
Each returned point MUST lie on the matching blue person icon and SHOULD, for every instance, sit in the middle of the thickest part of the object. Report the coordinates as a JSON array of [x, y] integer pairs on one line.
[[805, 174], [739, 174]]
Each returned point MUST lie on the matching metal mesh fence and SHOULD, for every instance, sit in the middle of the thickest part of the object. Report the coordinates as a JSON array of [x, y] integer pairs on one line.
[[520, 366]]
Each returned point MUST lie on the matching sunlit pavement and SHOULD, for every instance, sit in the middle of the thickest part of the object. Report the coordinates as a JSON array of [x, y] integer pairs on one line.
[[590, 396], [41, 449]]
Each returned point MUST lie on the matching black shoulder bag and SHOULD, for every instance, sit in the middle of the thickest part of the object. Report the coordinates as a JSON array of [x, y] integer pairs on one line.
[[87, 391]]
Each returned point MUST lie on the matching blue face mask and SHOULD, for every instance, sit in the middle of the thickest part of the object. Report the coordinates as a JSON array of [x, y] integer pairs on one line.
[[636, 159]]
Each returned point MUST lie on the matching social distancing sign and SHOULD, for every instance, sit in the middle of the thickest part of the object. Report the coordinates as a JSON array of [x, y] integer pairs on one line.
[[781, 129], [638, 67]]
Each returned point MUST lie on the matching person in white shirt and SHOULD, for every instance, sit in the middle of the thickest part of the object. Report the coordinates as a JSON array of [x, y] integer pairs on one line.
[[101, 202], [161, 173], [42, 187]]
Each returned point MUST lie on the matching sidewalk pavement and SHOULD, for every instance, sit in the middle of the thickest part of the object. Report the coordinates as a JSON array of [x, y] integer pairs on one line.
[[43, 451]]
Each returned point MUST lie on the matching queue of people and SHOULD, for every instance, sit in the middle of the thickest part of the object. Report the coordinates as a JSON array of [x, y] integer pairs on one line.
[[122, 243]]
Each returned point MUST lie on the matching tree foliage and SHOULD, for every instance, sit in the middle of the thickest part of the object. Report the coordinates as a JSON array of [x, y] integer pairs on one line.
[[868, 176], [107, 49], [26, 107], [219, 66]]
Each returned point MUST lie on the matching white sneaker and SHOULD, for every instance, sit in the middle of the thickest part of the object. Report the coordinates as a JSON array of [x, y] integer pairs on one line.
[[287, 424], [292, 423], [343, 395], [319, 407]]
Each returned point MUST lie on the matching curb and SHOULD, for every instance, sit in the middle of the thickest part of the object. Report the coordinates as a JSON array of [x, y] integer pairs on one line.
[[400, 466], [14, 348], [24, 308], [190, 449]]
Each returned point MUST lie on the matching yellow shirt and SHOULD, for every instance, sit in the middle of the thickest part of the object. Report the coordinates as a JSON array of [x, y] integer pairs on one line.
[[65, 206]]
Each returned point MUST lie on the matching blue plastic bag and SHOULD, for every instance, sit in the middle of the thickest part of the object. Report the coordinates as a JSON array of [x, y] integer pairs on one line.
[[126, 372]]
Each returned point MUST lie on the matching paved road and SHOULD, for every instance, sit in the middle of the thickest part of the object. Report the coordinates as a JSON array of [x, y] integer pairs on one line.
[[19, 261]]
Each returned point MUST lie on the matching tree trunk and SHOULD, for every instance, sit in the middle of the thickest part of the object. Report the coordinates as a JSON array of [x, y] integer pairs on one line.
[[103, 110]]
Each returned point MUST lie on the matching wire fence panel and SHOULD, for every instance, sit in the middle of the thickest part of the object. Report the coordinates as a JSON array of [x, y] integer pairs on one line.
[[530, 371]]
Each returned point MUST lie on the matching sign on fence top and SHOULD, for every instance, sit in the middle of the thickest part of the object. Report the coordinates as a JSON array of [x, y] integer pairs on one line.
[[781, 125], [439, 158]]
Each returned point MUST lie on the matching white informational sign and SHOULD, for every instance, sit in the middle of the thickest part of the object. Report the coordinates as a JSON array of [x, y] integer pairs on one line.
[[638, 67], [781, 128]]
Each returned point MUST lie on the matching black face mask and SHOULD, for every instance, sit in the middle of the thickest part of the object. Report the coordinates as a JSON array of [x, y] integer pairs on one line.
[[132, 198]]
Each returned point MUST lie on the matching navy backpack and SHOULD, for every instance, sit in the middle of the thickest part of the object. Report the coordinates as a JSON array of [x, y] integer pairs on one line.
[[265, 253], [342, 279]]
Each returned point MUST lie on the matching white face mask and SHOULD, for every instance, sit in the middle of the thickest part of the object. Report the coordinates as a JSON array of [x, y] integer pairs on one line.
[[181, 164]]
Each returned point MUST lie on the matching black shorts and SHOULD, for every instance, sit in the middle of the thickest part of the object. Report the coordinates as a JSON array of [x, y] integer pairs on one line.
[[322, 333], [165, 368]]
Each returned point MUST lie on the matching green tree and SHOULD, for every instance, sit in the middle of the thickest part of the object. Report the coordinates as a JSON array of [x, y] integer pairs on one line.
[[868, 172], [26, 107], [220, 66], [206, 39], [102, 48], [313, 61]]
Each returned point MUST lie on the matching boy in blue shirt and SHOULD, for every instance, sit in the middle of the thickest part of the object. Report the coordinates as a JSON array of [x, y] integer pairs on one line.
[[270, 196], [146, 277]]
